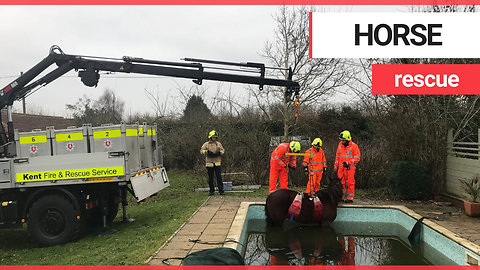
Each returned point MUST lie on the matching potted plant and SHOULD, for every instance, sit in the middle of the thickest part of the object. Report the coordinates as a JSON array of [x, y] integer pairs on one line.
[[472, 188]]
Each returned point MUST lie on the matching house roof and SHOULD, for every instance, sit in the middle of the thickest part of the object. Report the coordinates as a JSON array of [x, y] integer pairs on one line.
[[28, 122]]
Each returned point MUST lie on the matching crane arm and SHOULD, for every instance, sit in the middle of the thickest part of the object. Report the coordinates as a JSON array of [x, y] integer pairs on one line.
[[89, 68]]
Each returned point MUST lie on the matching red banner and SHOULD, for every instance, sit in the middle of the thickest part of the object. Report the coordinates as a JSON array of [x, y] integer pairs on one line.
[[425, 79]]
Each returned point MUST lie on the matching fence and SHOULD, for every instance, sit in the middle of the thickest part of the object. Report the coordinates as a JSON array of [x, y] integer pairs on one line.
[[463, 162]]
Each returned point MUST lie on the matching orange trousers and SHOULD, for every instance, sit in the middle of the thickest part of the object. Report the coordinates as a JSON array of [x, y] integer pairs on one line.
[[276, 261], [348, 257], [314, 179], [348, 181], [275, 173]]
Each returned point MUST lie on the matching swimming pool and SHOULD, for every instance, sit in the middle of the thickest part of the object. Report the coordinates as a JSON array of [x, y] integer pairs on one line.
[[381, 227]]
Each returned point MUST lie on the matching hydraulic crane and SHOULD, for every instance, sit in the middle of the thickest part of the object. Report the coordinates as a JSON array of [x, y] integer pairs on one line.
[[88, 69]]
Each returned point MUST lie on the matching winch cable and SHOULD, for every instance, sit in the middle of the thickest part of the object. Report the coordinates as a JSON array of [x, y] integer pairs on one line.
[[198, 241]]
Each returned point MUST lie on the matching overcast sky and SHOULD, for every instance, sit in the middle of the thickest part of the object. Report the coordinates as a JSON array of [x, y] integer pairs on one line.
[[230, 33]]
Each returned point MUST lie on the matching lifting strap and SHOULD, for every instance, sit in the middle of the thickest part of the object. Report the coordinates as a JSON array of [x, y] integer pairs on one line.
[[317, 210], [295, 207]]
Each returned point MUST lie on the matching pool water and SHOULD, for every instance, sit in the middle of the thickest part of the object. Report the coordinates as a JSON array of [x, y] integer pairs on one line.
[[343, 243]]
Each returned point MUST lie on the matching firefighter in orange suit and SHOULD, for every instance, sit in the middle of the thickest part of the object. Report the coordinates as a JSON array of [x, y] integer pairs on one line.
[[348, 257], [346, 160], [279, 164], [315, 164]]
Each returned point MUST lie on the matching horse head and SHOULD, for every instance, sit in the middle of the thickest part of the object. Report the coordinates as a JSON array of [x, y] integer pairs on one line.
[[335, 187]]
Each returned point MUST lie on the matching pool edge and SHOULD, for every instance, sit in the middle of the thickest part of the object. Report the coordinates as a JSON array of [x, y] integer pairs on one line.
[[233, 236], [235, 231]]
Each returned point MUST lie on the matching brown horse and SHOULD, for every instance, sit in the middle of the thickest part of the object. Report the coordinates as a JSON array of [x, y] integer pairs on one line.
[[278, 203]]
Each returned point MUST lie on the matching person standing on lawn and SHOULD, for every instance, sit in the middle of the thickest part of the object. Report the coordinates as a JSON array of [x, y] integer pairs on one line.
[[213, 151]]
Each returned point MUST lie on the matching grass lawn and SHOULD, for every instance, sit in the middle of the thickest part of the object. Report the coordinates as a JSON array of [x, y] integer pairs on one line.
[[155, 220]]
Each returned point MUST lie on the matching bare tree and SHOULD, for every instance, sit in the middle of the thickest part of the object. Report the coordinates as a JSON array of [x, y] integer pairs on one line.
[[108, 108], [159, 107], [317, 77], [223, 101]]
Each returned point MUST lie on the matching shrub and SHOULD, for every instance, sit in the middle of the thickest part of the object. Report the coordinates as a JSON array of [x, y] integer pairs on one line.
[[472, 187], [409, 180]]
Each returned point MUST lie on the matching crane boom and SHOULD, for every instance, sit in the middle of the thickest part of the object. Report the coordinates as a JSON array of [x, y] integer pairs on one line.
[[88, 68]]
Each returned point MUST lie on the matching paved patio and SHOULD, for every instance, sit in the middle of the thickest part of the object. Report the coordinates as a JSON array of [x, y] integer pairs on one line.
[[210, 223]]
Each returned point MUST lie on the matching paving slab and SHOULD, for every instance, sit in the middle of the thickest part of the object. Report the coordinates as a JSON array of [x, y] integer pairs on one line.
[[179, 245], [224, 213], [210, 224], [216, 232], [181, 238], [156, 261], [218, 226], [205, 246], [222, 219], [212, 238], [201, 219], [190, 233], [172, 253]]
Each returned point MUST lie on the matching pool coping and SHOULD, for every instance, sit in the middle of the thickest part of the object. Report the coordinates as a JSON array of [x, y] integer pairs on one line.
[[237, 225]]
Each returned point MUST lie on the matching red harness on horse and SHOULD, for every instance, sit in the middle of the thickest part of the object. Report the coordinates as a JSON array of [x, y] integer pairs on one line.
[[317, 209], [296, 207]]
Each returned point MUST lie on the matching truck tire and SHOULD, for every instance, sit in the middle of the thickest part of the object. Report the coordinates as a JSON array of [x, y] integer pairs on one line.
[[53, 220]]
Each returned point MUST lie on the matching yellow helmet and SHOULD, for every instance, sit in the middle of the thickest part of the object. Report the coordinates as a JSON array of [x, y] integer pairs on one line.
[[317, 142], [295, 146], [345, 135], [212, 134]]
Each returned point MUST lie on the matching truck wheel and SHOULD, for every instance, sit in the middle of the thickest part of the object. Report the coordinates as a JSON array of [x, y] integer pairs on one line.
[[53, 220]]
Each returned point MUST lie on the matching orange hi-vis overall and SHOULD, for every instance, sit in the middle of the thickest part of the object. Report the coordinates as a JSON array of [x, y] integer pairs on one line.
[[351, 155], [315, 164], [279, 166]]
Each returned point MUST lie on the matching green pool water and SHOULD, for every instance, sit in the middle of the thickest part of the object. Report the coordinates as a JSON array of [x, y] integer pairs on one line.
[[324, 246]]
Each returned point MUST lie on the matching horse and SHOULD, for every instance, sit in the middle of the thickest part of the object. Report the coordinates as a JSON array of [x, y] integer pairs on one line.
[[278, 204]]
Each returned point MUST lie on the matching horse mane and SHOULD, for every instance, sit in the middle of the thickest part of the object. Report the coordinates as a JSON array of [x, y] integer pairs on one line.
[[334, 188]]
